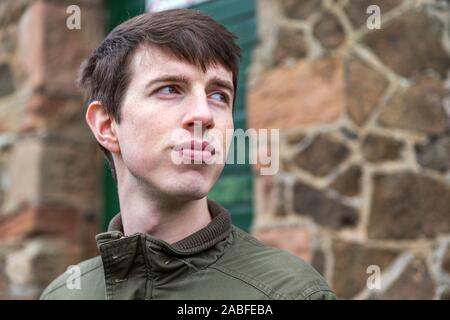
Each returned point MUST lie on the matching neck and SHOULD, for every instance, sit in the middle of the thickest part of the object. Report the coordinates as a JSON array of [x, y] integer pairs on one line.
[[166, 219]]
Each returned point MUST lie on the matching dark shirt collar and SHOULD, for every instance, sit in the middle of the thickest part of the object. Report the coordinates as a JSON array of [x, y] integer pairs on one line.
[[217, 230]]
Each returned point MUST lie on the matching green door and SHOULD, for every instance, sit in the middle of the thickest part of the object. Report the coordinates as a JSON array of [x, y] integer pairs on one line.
[[234, 188]]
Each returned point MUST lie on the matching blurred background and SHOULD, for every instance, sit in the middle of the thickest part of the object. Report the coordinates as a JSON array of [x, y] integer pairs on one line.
[[359, 90]]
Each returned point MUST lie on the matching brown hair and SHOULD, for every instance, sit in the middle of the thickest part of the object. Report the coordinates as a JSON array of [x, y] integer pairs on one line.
[[188, 34]]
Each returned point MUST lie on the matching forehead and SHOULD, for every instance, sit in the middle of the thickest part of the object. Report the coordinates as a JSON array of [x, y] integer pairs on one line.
[[152, 61]]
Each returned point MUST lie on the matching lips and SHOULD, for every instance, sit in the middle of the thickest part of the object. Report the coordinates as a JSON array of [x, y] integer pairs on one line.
[[193, 145]]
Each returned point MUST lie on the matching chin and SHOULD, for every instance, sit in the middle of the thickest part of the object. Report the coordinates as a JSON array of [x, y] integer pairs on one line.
[[192, 194], [190, 186]]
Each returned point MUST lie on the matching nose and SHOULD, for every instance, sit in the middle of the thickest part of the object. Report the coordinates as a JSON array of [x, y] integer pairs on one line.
[[198, 112]]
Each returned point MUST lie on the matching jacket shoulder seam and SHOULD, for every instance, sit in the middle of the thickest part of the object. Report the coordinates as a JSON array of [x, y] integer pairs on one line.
[[308, 289], [62, 285], [267, 291], [245, 237]]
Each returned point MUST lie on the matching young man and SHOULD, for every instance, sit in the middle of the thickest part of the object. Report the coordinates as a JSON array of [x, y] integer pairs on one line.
[[153, 76]]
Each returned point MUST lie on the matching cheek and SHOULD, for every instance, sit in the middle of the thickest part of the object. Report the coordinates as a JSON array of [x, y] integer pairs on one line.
[[136, 151], [143, 143]]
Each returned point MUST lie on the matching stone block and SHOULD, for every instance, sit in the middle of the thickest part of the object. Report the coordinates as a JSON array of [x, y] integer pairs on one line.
[[329, 31], [291, 45], [295, 9], [376, 148], [364, 89], [351, 260], [408, 206], [349, 182], [357, 10], [324, 210], [321, 156], [414, 283], [419, 108], [307, 93], [410, 44], [434, 153]]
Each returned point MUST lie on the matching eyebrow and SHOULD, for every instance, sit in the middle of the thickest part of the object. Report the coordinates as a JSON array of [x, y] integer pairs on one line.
[[219, 82], [215, 81], [167, 78]]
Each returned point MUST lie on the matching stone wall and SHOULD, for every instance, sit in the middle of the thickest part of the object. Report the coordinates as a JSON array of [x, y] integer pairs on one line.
[[50, 169], [364, 119]]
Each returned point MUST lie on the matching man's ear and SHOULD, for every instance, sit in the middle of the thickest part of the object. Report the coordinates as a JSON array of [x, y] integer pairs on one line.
[[102, 126]]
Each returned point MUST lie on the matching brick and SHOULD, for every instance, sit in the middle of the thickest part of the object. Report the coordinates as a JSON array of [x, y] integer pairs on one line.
[[8, 39], [46, 106], [36, 263], [73, 173], [291, 96], [296, 240], [40, 220], [12, 112], [11, 11], [30, 48], [46, 46], [23, 172], [62, 116]]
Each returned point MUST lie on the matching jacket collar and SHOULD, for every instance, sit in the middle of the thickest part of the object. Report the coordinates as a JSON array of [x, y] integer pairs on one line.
[[218, 229]]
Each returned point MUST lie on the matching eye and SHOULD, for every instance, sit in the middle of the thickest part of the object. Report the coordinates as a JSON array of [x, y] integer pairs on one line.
[[220, 97], [168, 90]]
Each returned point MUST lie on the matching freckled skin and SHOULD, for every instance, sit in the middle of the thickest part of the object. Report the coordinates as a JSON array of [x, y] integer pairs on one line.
[[149, 115]]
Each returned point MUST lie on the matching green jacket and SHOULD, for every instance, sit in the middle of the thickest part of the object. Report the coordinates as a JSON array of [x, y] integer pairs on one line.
[[219, 262]]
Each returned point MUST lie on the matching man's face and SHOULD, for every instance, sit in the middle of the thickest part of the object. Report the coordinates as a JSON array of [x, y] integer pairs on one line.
[[166, 96]]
